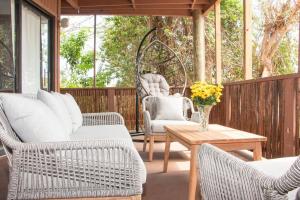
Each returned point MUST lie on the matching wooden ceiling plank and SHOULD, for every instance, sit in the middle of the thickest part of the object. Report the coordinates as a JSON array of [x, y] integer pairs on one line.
[[73, 3]]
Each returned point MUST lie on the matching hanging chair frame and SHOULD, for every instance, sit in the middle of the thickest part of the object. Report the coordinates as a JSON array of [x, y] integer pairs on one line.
[[139, 56], [175, 56]]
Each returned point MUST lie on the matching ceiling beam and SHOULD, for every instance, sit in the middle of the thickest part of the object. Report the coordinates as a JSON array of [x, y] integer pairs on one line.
[[89, 3], [73, 3], [129, 12], [210, 7], [159, 7]]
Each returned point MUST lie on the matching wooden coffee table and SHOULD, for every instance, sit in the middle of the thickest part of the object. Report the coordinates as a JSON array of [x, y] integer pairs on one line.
[[223, 137]]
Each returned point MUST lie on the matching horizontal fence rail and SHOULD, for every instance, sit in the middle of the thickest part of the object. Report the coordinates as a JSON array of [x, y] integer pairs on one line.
[[268, 107]]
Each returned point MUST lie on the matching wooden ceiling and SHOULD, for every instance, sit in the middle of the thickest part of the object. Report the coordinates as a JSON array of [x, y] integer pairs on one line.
[[136, 7]]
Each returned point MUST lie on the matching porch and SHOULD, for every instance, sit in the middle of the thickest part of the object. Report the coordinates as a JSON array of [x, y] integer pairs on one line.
[[265, 106]]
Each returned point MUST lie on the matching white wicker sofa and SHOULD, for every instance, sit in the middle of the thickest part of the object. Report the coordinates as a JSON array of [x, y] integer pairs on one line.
[[223, 176], [99, 160]]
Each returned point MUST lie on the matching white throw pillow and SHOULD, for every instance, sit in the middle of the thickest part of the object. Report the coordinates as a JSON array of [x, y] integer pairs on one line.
[[57, 105], [32, 120], [169, 108], [74, 111]]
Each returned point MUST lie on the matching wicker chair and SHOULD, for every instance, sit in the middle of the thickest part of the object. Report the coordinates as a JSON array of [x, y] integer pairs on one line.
[[73, 169], [223, 176], [154, 130]]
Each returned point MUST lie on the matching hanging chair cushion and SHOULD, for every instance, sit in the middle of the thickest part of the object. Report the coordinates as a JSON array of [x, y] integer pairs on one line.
[[154, 85]]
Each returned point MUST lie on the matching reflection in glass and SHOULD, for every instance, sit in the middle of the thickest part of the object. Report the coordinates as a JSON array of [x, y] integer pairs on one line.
[[7, 69]]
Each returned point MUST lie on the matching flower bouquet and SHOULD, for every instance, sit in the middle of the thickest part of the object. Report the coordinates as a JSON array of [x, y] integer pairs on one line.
[[205, 96]]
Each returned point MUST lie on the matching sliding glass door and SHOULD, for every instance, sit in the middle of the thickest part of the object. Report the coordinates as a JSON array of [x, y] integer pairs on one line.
[[35, 50], [7, 67]]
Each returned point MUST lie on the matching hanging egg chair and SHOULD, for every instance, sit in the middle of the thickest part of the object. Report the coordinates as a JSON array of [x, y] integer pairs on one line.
[[158, 68]]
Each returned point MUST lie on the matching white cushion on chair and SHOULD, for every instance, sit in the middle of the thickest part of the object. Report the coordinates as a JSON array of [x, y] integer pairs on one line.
[[32, 120], [157, 126], [57, 105], [169, 108], [154, 84], [73, 109], [276, 168]]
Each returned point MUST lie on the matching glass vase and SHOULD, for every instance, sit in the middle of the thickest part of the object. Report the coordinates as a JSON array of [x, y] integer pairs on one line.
[[204, 112]]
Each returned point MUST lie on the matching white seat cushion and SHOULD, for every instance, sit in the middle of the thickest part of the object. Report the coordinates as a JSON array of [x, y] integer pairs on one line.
[[73, 109], [32, 120], [169, 108], [115, 132], [157, 126], [276, 168], [56, 104], [109, 132]]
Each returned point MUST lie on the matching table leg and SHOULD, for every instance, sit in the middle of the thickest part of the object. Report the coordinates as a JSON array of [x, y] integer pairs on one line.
[[257, 152], [193, 173], [167, 153]]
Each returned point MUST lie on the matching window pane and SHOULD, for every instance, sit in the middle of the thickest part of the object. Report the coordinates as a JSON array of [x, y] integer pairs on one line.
[[31, 58], [45, 52], [7, 69]]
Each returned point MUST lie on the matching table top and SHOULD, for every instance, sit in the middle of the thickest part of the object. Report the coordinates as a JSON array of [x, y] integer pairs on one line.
[[216, 134]]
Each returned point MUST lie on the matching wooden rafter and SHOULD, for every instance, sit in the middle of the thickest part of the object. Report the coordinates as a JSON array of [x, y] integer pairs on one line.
[[210, 7], [73, 4], [131, 12]]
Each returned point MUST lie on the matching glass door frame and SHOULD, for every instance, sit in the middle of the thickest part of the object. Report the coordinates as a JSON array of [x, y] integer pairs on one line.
[[18, 38]]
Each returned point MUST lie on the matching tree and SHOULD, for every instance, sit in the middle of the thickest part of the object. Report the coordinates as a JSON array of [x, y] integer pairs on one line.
[[279, 17], [80, 62], [120, 44], [123, 34]]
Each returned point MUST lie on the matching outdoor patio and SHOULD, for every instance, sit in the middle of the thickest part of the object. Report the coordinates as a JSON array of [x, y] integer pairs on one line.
[[263, 113]]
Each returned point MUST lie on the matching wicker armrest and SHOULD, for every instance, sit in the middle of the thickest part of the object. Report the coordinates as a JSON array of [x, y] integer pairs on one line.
[[147, 122], [106, 118], [74, 170], [223, 176]]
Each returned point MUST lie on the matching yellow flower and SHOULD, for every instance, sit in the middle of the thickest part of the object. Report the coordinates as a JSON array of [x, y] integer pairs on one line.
[[206, 93]]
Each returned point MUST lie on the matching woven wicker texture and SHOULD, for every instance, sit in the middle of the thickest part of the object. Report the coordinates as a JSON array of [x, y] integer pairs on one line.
[[223, 176], [71, 169]]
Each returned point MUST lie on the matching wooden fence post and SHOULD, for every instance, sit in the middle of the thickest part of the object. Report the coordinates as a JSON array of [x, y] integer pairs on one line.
[[227, 105], [289, 124], [111, 102]]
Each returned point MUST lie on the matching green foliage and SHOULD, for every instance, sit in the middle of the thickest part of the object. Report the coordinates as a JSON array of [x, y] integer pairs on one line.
[[80, 62], [121, 39], [72, 45]]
